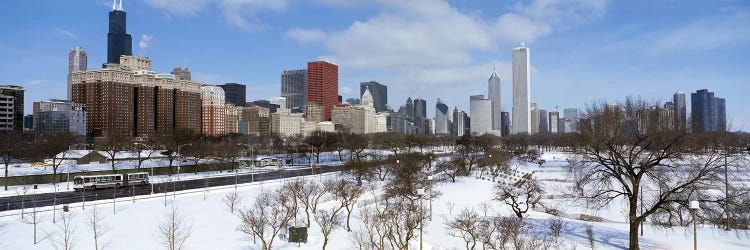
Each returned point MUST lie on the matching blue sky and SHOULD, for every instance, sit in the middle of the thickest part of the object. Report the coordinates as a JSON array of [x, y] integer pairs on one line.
[[581, 50]]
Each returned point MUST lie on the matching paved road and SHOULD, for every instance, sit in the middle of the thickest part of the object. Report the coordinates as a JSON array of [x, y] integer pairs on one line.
[[61, 198]]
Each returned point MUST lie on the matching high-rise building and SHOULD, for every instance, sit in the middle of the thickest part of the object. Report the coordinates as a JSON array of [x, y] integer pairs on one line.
[[294, 88], [409, 109], [396, 122], [720, 113], [57, 116], [77, 61], [680, 111], [119, 42], [480, 110], [12, 100], [571, 115], [232, 119], [441, 117], [708, 112], [543, 121], [493, 93], [459, 118], [235, 93], [213, 110], [323, 85], [420, 108], [182, 73], [554, 122], [278, 101], [534, 119], [286, 124], [521, 90], [379, 94], [505, 117]]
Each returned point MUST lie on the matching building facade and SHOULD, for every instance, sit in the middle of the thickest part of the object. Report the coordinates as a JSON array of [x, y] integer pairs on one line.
[[379, 94], [323, 86], [77, 61], [554, 122], [505, 131], [58, 116], [182, 73], [119, 42], [521, 90], [441, 117], [680, 110], [286, 124], [420, 108], [534, 119], [294, 88], [708, 112], [480, 110], [494, 94], [213, 111], [15, 94], [234, 93]]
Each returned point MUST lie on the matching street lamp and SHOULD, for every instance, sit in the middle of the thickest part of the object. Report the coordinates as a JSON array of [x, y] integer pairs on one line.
[[252, 162], [420, 194], [178, 158], [430, 178], [694, 207], [152, 165]]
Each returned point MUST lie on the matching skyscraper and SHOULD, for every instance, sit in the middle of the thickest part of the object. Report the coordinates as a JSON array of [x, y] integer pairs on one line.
[[505, 118], [119, 42], [554, 122], [708, 112], [11, 97], [420, 108], [543, 121], [493, 93], [409, 109], [213, 110], [379, 94], [680, 110], [534, 119], [235, 93], [441, 117], [294, 88], [521, 90], [480, 110], [323, 85], [182, 73], [55, 116], [571, 115], [77, 61]]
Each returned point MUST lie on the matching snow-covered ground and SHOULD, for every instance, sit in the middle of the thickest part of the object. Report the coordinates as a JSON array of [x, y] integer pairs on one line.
[[214, 227]]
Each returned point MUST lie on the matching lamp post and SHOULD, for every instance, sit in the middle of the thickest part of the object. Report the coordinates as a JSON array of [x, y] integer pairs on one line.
[[152, 165], [178, 158], [694, 207], [430, 178], [420, 194], [252, 162]]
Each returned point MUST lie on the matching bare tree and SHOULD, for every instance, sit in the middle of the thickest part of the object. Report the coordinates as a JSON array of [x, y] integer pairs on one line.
[[521, 197], [466, 226], [113, 145], [310, 196], [232, 200], [450, 168], [404, 219], [54, 147], [629, 156], [374, 232], [12, 146], [328, 220], [174, 229], [356, 144], [292, 189], [590, 235], [556, 225], [67, 236], [265, 218], [34, 219], [346, 194], [96, 224]]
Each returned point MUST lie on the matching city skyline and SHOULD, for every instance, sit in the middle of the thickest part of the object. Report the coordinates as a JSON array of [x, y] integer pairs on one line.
[[432, 80]]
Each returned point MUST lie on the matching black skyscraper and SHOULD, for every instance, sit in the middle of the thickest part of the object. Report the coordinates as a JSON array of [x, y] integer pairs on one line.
[[420, 108], [379, 94], [235, 93], [118, 41]]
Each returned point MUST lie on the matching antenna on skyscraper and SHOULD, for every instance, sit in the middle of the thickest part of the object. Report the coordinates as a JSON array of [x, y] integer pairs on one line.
[[121, 9], [114, 4]]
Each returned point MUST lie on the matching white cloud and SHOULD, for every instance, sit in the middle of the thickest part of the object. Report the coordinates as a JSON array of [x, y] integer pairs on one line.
[[238, 13], [305, 35], [65, 32], [708, 33], [429, 33], [145, 41]]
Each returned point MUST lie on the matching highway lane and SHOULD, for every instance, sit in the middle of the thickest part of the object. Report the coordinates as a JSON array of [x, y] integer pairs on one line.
[[61, 198]]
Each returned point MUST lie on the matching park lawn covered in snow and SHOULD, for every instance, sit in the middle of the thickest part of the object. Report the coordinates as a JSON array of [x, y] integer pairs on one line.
[[134, 225]]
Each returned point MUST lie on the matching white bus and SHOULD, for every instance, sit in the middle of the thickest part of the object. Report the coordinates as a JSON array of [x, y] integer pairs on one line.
[[93, 182]]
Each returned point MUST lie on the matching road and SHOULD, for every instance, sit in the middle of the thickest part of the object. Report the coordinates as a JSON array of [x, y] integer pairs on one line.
[[61, 198]]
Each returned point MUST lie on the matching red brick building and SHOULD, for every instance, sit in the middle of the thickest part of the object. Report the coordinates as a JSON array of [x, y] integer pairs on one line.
[[323, 85]]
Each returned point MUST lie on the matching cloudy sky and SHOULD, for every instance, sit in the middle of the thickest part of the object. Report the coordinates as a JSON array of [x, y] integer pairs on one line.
[[581, 50]]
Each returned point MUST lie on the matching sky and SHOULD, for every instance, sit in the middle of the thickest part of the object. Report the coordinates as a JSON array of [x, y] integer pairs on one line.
[[582, 51]]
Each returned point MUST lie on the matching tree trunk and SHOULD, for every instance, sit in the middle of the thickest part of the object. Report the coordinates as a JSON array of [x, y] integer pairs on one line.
[[634, 236], [633, 219], [5, 181]]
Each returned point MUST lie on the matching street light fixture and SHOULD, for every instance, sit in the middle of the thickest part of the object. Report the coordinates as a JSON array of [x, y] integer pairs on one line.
[[420, 194], [694, 207], [430, 178], [178, 158]]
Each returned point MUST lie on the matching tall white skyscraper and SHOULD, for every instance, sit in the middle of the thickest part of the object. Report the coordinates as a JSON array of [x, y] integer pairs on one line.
[[493, 93], [521, 90], [77, 61]]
